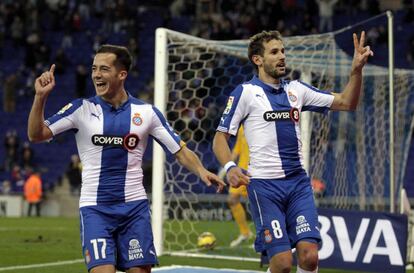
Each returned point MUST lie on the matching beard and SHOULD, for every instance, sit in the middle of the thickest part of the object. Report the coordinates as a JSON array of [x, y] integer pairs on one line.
[[272, 71]]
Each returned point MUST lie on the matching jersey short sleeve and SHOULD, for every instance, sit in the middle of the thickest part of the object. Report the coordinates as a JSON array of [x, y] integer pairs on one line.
[[163, 133], [66, 118], [315, 100], [236, 110]]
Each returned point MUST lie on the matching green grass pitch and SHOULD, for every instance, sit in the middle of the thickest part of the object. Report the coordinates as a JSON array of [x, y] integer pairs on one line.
[[30, 241]]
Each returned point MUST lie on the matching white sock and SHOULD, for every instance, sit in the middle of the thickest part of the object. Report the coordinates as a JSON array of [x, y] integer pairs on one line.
[[300, 270], [268, 270]]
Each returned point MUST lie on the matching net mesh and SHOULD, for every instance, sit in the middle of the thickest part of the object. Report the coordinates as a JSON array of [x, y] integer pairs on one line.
[[349, 151]]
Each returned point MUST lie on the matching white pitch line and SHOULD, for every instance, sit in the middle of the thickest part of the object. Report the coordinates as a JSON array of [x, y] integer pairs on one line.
[[168, 268], [32, 228], [219, 257], [162, 268], [29, 266], [40, 265]]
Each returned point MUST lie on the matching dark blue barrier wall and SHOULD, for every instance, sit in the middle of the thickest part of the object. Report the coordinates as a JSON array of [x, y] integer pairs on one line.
[[360, 240]]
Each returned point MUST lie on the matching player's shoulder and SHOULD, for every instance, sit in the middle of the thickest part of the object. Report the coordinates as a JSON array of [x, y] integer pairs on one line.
[[291, 83], [92, 100], [90, 104], [144, 106], [303, 85], [71, 107], [253, 82], [138, 102], [78, 102], [247, 86]]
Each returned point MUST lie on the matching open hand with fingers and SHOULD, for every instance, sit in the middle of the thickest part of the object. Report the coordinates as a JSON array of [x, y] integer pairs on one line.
[[361, 52], [210, 178], [45, 83]]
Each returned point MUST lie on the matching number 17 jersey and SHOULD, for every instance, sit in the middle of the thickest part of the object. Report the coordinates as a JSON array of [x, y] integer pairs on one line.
[[111, 144]]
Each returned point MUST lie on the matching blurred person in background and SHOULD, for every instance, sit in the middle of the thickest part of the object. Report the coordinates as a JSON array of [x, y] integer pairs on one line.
[[10, 87], [326, 12], [74, 174], [81, 77], [6, 187], [318, 187], [11, 145], [18, 178], [33, 192], [27, 156]]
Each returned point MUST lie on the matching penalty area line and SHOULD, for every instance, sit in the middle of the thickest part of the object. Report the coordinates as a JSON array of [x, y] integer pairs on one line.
[[29, 266]]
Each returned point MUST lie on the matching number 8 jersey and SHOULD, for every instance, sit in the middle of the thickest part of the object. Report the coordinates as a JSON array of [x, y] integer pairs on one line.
[[111, 143], [271, 117]]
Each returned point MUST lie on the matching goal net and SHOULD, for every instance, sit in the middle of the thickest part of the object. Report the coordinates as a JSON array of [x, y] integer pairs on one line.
[[349, 152]]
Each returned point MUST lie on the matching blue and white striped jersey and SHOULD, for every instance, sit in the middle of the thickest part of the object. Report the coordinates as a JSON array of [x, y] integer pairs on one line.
[[111, 143], [271, 123]]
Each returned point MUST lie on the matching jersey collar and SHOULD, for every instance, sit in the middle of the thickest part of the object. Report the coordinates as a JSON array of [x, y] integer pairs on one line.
[[109, 106], [255, 80]]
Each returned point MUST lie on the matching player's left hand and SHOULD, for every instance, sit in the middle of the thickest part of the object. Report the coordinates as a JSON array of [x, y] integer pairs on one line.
[[237, 177], [211, 179], [361, 52]]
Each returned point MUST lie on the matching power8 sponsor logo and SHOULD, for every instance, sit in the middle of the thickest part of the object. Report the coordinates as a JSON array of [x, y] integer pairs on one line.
[[292, 115], [128, 142]]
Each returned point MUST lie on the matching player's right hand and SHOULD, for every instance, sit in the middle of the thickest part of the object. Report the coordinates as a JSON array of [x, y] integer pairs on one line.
[[45, 83], [238, 177], [211, 179]]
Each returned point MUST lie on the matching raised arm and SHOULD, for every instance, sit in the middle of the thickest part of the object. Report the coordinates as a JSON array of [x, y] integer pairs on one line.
[[37, 131], [348, 99], [190, 160], [221, 149]]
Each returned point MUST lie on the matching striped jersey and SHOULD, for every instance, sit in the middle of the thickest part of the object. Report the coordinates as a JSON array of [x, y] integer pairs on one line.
[[111, 143], [270, 117]]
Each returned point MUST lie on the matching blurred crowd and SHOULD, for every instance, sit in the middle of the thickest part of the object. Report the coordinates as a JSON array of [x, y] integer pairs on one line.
[[19, 162], [27, 24]]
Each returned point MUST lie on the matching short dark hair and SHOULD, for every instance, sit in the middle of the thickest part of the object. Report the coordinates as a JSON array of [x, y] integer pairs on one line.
[[256, 46], [123, 57]]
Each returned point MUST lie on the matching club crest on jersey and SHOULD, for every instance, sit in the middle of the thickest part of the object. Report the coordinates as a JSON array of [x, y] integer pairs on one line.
[[136, 119], [302, 225], [292, 97], [64, 108], [268, 236], [292, 114], [135, 251], [128, 142], [229, 105]]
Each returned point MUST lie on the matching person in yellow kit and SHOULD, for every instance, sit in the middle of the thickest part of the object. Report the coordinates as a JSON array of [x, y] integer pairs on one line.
[[33, 192], [240, 152]]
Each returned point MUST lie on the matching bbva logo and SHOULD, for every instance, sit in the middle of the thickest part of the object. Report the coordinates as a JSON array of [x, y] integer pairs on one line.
[[351, 250]]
